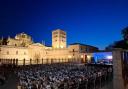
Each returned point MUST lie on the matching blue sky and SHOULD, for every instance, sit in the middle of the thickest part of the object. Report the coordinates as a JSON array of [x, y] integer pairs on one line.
[[93, 22]]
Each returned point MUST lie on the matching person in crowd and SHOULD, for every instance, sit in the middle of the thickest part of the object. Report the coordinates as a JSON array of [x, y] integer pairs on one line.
[[59, 76]]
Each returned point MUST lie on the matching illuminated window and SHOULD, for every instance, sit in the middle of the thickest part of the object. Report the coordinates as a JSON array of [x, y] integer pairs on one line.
[[89, 58], [82, 56]]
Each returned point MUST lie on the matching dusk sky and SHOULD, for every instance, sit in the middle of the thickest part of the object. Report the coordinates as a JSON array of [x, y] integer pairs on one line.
[[94, 22]]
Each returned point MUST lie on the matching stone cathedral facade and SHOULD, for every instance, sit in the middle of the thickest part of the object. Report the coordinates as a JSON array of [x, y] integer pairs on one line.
[[22, 47]]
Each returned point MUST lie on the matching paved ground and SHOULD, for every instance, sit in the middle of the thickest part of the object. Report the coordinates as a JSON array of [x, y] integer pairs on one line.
[[10, 83], [108, 86]]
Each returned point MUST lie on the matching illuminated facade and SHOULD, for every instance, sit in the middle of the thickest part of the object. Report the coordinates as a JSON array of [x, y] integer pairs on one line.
[[59, 39], [21, 39], [23, 48]]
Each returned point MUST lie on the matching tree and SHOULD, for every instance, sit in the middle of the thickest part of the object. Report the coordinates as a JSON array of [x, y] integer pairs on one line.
[[125, 33], [122, 43]]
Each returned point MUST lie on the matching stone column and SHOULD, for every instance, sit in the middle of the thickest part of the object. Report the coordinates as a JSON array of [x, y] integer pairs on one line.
[[51, 61], [47, 60], [118, 81], [13, 61], [23, 62], [30, 61], [16, 62], [42, 60]]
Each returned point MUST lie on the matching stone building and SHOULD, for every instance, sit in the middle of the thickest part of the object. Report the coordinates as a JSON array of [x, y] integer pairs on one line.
[[22, 48], [21, 39], [59, 39]]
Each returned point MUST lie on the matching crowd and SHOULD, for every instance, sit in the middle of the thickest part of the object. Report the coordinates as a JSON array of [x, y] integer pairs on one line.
[[62, 76], [2, 78], [5, 71]]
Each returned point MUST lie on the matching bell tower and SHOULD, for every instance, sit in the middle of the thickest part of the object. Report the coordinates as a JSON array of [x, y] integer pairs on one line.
[[59, 39]]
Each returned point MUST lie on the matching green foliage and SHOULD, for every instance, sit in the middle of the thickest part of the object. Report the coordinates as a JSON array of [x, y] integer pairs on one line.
[[125, 33], [121, 43]]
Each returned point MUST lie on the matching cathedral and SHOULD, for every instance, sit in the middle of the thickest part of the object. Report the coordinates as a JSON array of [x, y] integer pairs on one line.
[[23, 51]]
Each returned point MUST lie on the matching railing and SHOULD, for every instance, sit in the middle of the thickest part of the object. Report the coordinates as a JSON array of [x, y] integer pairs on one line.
[[35, 62]]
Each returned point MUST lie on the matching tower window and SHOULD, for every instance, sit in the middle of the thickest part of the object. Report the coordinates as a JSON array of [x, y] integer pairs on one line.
[[55, 33], [56, 36]]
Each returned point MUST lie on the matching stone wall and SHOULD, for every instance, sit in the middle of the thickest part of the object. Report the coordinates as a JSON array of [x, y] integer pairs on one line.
[[118, 70]]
